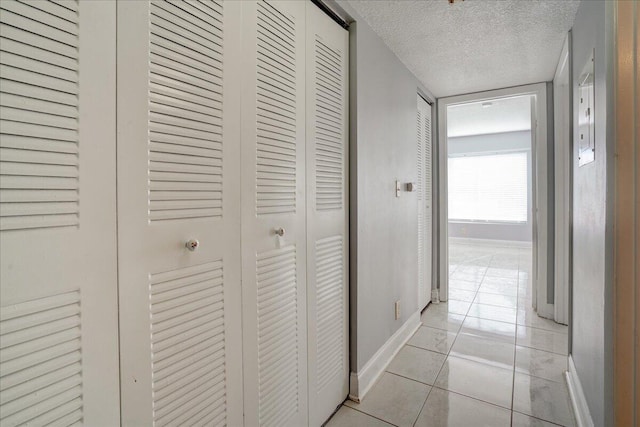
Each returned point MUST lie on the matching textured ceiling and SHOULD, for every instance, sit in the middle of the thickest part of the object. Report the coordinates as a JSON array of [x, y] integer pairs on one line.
[[472, 45], [503, 115]]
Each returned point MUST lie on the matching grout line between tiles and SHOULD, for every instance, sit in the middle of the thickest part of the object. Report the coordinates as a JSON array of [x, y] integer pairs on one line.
[[420, 382], [561, 381], [410, 379], [535, 418], [542, 349], [372, 416], [427, 349], [474, 398], [542, 329], [446, 357]]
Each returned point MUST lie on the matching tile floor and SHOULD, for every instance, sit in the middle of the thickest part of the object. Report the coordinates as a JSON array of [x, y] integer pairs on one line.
[[484, 358]]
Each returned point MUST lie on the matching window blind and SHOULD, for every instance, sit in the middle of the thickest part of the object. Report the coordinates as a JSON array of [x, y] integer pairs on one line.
[[488, 187]]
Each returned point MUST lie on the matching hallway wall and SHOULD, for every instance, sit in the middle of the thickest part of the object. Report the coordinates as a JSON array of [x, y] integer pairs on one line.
[[591, 345], [383, 227]]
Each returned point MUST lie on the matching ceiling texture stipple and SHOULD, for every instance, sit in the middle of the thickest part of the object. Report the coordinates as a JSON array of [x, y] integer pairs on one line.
[[473, 45]]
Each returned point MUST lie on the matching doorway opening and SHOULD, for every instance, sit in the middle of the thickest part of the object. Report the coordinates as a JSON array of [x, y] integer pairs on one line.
[[490, 186], [496, 219]]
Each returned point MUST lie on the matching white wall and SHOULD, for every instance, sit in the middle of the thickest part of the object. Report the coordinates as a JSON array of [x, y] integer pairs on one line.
[[591, 322], [384, 229], [496, 142]]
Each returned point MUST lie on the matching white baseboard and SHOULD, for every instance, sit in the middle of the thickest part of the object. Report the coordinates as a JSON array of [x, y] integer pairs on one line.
[[361, 382], [489, 242], [578, 401]]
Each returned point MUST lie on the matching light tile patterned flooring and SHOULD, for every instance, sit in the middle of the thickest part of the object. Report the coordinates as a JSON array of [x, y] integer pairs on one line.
[[484, 358]]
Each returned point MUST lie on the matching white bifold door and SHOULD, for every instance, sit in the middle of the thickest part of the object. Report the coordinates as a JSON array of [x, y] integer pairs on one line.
[[179, 213], [327, 110], [232, 224], [425, 211], [294, 214], [173, 213], [58, 293], [274, 273]]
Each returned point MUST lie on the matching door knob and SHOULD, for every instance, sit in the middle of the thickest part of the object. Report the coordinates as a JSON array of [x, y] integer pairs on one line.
[[279, 231], [192, 244]]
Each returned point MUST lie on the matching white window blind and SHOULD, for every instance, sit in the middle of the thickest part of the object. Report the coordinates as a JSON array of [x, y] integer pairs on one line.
[[488, 187]]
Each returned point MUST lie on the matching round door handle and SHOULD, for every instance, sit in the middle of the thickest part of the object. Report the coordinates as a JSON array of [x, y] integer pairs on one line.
[[279, 231], [192, 244]]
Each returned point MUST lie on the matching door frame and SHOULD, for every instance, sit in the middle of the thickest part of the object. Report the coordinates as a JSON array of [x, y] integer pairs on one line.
[[563, 174], [541, 219], [626, 175], [435, 190]]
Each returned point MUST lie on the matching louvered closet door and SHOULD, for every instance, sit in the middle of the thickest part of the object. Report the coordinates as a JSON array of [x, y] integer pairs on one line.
[[425, 209], [327, 222], [58, 294], [178, 180], [273, 157]]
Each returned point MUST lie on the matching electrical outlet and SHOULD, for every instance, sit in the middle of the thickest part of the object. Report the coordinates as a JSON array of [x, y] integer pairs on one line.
[[397, 306]]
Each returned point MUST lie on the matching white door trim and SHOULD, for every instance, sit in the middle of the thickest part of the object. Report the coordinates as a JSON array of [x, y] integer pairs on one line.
[[563, 191], [539, 91]]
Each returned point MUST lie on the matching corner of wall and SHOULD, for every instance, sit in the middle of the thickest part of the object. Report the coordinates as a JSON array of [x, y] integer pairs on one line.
[[361, 382]]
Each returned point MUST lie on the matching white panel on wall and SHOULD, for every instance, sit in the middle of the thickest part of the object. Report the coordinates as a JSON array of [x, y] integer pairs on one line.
[[39, 115], [179, 132], [58, 289]]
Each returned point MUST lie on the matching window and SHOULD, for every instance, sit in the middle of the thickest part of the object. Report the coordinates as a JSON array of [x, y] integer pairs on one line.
[[490, 188]]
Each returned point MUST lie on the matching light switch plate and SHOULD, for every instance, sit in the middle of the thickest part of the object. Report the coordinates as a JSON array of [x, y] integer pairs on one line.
[[398, 188]]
